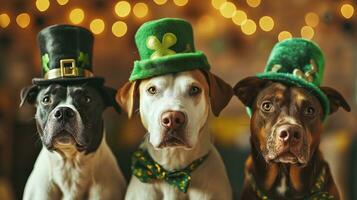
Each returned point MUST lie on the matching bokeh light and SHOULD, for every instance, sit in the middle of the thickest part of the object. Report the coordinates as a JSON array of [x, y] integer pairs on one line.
[[266, 23], [140, 10], [347, 10], [312, 19], [23, 20], [97, 26], [249, 27], [42, 5], [160, 2], [253, 3], [307, 32], [62, 2], [239, 17], [76, 16], [180, 2], [227, 9], [122, 8], [119, 28], [4, 20], [283, 35], [217, 3]]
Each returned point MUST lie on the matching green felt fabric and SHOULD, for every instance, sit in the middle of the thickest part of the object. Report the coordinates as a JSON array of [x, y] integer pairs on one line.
[[292, 61], [166, 46]]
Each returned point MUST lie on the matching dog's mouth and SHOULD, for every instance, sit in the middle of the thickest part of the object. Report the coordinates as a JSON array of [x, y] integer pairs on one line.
[[173, 138], [65, 140], [288, 158]]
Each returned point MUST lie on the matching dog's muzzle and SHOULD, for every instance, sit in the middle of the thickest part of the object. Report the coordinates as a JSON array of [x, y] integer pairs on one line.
[[289, 144], [62, 129], [174, 123]]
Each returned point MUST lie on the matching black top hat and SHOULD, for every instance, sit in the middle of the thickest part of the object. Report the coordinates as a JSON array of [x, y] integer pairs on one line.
[[66, 56]]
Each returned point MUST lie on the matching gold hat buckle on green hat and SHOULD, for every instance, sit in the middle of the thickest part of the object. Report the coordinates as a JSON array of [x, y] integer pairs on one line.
[[308, 75]]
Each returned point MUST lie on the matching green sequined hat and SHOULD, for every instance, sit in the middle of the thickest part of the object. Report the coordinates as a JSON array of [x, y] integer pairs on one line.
[[298, 62], [66, 55], [166, 46]]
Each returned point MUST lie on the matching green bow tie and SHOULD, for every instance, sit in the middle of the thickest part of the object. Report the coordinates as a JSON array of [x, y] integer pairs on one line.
[[146, 169]]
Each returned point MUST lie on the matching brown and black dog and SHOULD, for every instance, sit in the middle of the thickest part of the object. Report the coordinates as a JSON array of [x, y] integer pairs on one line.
[[286, 125]]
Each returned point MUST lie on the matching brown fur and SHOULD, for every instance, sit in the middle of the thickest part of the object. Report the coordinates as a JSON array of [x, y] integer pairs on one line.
[[289, 101]]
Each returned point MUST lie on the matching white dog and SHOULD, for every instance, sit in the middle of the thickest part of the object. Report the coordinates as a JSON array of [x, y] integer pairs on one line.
[[174, 109]]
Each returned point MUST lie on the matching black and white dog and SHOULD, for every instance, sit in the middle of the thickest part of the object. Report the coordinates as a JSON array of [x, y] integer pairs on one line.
[[75, 161]]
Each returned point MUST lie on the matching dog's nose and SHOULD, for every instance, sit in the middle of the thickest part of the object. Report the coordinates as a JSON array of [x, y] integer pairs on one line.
[[288, 133], [63, 113], [173, 119]]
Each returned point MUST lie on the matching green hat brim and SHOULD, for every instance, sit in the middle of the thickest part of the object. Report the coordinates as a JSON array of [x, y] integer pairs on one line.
[[293, 80], [169, 64]]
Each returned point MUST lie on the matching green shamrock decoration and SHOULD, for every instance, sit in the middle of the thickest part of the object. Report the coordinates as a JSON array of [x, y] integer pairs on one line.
[[83, 59], [45, 61], [161, 48]]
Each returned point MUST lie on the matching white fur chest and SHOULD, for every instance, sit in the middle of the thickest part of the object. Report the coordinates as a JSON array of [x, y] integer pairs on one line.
[[72, 176]]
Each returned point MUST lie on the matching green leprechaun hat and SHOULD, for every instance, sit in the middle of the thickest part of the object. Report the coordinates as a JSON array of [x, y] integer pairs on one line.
[[298, 62], [166, 46], [66, 55]]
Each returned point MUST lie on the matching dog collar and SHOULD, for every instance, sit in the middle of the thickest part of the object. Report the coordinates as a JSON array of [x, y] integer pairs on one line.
[[317, 192], [146, 170]]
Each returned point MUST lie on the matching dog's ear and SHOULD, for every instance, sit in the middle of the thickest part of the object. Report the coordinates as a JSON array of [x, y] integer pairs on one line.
[[220, 92], [336, 99], [108, 95], [248, 88], [28, 94], [128, 97]]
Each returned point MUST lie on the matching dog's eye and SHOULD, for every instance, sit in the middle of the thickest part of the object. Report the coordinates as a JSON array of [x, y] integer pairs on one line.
[[309, 111], [152, 90], [267, 106], [87, 99], [46, 100], [194, 90]]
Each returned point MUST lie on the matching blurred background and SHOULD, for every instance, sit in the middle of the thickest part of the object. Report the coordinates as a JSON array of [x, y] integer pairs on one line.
[[236, 35]]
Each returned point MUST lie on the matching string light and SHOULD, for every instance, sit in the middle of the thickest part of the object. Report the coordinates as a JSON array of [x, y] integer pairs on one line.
[[122, 8], [253, 3], [42, 5], [4, 20], [23, 20], [266, 23], [239, 17], [62, 2], [160, 2], [119, 28], [249, 27], [283, 35], [312, 19], [97, 26], [180, 2], [217, 3], [76, 16], [140, 10], [227, 9], [307, 32], [347, 10]]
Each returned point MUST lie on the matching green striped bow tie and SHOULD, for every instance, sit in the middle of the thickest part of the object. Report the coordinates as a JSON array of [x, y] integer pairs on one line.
[[146, 170]]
